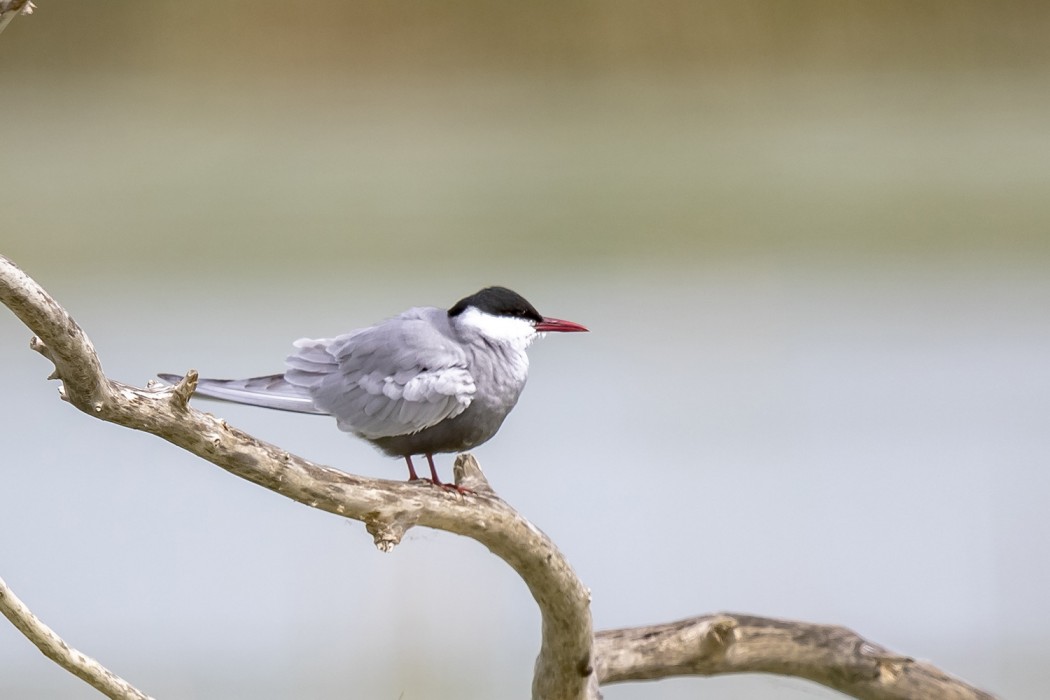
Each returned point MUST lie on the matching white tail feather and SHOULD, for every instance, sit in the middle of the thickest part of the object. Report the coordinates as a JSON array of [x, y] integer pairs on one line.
[[269, 392]]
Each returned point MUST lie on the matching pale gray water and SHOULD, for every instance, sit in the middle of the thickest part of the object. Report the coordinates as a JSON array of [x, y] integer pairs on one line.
[[863, 444]]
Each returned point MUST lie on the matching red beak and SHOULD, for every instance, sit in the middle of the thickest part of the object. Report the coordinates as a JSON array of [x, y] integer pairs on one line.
[[556, 325]]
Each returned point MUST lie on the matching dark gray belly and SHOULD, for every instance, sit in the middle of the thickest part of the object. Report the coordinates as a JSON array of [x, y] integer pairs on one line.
[[467, 430]]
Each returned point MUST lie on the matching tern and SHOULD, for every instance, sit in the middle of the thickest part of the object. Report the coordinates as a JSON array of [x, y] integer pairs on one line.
[[426, 381]]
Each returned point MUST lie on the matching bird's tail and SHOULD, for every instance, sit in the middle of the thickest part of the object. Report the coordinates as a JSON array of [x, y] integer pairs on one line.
[[272, 391]]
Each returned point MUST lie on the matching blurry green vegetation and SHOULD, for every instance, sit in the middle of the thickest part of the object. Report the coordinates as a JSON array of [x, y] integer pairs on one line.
[[465, 131], [585, 38]]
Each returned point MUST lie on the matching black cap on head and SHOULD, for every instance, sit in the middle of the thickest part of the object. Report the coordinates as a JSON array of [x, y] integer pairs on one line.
[[498, 301]]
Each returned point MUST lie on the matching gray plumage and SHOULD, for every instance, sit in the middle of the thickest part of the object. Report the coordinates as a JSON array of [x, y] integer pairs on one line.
[[423, 382]]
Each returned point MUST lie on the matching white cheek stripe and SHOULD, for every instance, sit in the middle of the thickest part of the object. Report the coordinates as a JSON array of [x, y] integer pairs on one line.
[[499, 328]]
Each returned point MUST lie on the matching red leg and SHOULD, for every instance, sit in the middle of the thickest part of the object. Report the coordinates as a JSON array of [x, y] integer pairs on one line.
[[438, 482], [433, 471], [412, 470]]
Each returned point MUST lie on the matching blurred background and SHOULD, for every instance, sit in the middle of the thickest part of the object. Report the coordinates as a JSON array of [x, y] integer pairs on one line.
[[811, 239]]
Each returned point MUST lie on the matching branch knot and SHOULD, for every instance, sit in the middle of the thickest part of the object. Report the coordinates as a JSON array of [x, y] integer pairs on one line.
[[183, 390]]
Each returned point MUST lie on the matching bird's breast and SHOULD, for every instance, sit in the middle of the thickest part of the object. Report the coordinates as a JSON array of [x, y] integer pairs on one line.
[[499, 375]]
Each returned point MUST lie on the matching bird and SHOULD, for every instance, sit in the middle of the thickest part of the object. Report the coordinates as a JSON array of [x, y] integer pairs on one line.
[[424, 382]]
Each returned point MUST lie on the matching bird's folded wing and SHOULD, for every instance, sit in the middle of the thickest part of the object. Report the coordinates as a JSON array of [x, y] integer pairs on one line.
[[390, 379]]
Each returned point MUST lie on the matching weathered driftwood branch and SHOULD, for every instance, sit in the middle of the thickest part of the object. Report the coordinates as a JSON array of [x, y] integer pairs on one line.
[[571, 662], [732, 643], [388, 509], [52, 646]]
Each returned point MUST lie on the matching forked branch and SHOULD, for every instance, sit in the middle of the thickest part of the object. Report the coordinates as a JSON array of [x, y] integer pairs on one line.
[[571, 662]]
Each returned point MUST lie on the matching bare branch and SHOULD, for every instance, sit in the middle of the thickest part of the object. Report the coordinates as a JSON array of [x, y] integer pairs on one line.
[[10, 8], [54, 648], [388, 508], [732, 643]]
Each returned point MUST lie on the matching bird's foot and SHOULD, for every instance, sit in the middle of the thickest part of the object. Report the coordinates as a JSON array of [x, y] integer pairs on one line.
[[436, 480], [461, 490], [441, 485]]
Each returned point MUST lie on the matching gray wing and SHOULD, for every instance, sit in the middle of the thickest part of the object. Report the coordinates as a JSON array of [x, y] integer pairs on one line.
[[396, 378]]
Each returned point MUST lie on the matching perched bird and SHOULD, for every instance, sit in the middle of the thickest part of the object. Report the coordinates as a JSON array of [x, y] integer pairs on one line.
[[423, 382]]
